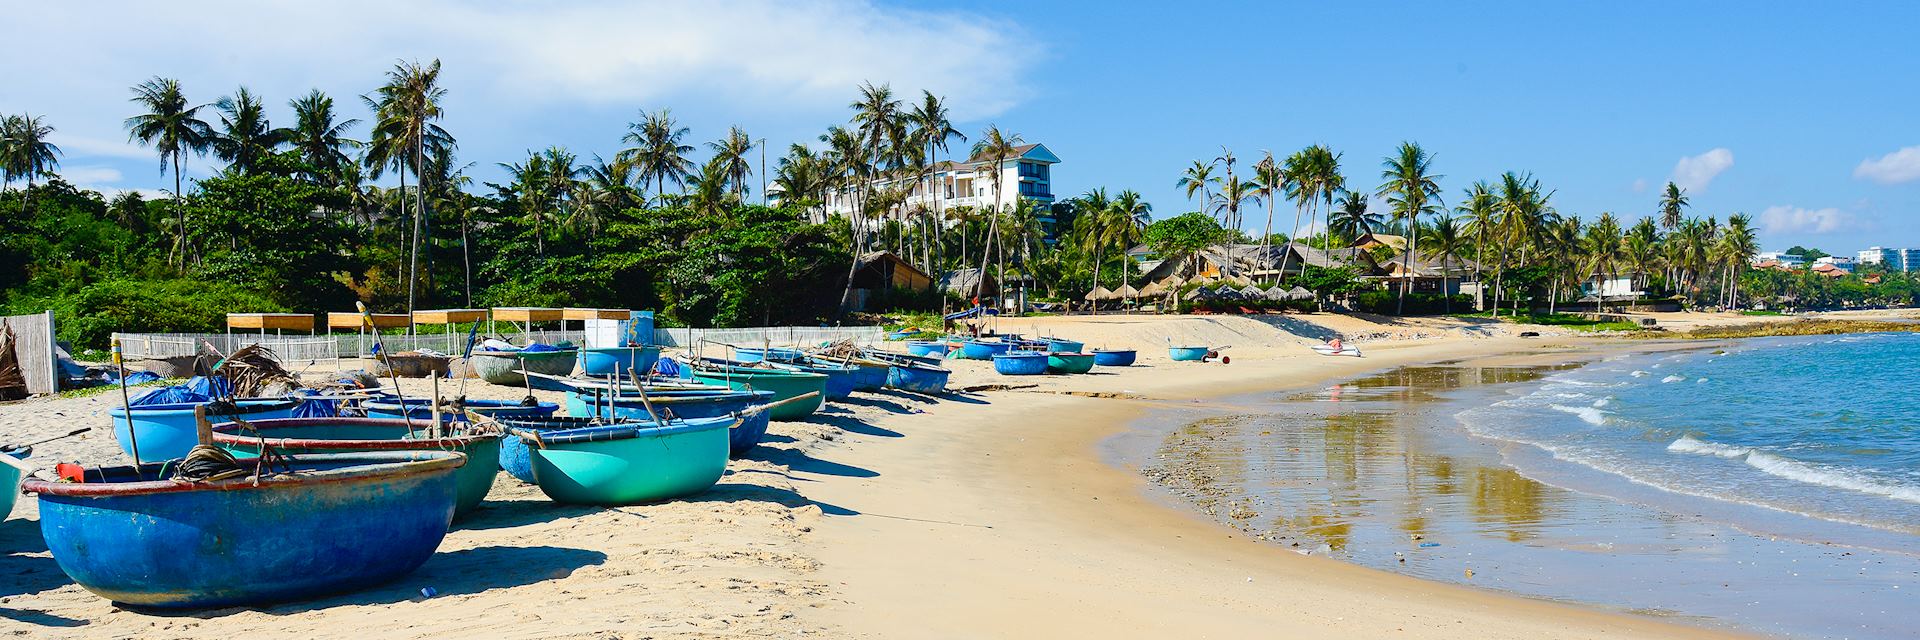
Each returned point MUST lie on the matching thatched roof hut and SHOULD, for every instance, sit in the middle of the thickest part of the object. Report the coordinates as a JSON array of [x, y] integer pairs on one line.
[[1099, 293]]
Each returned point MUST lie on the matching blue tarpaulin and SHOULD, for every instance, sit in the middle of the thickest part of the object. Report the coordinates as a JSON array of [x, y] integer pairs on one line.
[[976, 311], [197, 389]]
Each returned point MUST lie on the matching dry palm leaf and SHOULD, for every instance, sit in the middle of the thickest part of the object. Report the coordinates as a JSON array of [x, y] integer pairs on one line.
[[254, 371]]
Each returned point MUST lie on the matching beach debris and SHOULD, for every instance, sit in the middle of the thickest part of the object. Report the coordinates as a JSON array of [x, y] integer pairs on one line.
[[428, 592], [1429, 545], [1469, 573], [255, 372]]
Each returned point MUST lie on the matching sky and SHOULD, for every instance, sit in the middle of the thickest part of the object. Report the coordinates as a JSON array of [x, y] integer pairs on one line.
[[1805, 116]]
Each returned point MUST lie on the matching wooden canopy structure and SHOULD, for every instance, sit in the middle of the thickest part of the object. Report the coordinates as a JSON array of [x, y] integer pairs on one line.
[[274, 321], [579, 313], [528, 314], [352, 320], [448, 316]]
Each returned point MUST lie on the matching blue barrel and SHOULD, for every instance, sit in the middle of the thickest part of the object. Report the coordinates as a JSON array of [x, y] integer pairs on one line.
[[1114, 357], [637, 329], [1020, 363]]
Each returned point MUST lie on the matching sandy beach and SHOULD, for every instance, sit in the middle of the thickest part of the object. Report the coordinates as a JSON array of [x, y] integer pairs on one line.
[[984, 513]]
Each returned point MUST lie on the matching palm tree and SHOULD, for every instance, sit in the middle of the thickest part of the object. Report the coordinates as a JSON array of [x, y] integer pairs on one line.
[[562, 181], [994, 148], [732, 153], [404, 127], [933, 127], [245, 136], [1324, 179], [1412, 189], [709, 193], [1673, 202], [1352, 219], [1445, 245], [1127, 225], [1736, 248], [1234, 193], [25, 151], [1561, 248], [1523, 215], [658, 151], [174, 129], [320, 140], [1230, 214], [609, 188], [1090, 228], [1199, 179], [1270, 184], [1643, 250], [1601, 252], [1481, 210], [1297, 182]]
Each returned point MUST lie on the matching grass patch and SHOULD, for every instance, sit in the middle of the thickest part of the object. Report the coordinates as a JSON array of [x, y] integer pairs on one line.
[[109, 388], [1570, 321], [1758, 312]]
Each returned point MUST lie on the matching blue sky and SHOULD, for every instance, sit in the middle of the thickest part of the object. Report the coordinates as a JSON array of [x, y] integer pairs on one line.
[[1803, 116]]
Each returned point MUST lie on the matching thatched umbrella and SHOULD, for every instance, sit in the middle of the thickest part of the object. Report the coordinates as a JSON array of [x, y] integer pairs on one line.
[[1300, 293], [1276, 293], [1099, 293], [1127, 291], [1152, 289]]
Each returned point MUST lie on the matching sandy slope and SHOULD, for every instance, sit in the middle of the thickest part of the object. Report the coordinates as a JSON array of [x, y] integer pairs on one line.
[[973, 515]]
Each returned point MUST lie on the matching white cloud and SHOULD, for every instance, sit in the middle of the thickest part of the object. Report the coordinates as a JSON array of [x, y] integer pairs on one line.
[[1640, 185], [90, 175], [1790, 219], [1694, 173], [1893, 168]]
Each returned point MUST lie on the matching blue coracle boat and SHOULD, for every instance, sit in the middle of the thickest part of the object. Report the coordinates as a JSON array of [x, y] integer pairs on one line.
[[338, 522], [868, 375], [627, 464], [1020, 363], [422, 409], [166, 431], [984, 349], [926, 347], [1187, 354], [758, 354], [743, 437], [344, 435], [517, 460], [607, 361], [1114, 357], [918, 378], [1062, 345]]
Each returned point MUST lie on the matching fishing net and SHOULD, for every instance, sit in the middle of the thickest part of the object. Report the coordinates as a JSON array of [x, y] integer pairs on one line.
[[255, 371]]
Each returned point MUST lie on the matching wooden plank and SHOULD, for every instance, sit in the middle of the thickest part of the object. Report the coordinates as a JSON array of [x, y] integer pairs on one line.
[[351, 320], [577, 313], [296, 321], [527, 314], [449, 316]]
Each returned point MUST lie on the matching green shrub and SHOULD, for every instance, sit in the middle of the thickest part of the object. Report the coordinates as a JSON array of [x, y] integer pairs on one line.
[[1388, 303], [87, 318]]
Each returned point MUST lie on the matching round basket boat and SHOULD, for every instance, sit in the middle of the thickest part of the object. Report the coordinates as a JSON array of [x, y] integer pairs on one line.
[[1069, 362], [345, 435], [337, 522], [167, 431], [741, 439], [783, 384], [926, 347], [918, 378], [627, 464], [1020, 363], [607, 361], [1062, 345], [517, 460], [1187, 354], [1114, 357], [984, 349], [10, 481], [503, 367]]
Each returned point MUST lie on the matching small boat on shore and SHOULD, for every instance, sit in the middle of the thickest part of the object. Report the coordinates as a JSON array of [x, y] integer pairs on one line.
[[1114, 357], [1069, 362], [1062, 345], [742, 438], [918, 378], [629, 463], [344, 435], [784, 385], [10, 480], [320, 524], [984, 349], [1020, 363], [503, 367], [1188, 354], [767, 354], [517, 460], [926, 347], [166, 431], [607, 361]]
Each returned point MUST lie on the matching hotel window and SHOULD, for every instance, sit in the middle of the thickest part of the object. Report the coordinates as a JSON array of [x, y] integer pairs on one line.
[[1033, 170]]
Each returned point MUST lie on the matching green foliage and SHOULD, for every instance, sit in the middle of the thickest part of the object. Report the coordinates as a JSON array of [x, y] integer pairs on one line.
[[89, 316], [1185, 233], [1387, 302]]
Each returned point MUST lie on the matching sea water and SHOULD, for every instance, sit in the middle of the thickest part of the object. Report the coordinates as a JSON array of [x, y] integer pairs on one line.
[[1765, 485]]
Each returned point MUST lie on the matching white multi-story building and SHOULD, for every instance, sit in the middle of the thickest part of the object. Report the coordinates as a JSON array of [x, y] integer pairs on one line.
[[1909, 260], [1027, 174], [1838, 262], [1781, 258], [1891, 259]]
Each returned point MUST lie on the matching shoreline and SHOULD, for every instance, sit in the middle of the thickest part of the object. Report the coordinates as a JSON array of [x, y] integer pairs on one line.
[[1061, 483]]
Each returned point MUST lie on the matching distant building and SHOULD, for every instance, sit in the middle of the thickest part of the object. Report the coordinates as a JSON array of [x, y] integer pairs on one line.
[[1909, 259], [1027, 174], [1837, 262], [1887, 258], [1788, 260]]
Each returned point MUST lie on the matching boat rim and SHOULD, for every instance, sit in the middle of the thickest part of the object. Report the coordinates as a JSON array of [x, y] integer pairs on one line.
[[245, 405], [637, 429], [230, 434], [380, 464]]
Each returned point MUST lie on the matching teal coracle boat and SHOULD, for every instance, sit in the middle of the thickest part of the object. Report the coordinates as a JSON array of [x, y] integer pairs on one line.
[[783, 384], [607, 361], [628, 464], [1187, 354], [1069, 362], [10, 481], [344, 435], [1062, 345]]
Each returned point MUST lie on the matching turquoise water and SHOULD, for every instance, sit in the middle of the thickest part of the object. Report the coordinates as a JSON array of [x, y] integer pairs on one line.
[[1768, 485], [1823, 427]]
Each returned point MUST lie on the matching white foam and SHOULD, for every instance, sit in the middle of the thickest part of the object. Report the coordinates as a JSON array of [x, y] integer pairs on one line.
[[1603, 402], [1783, 467], [1591, 415], [1638, 373], [1673, 378], [1700, 381]]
